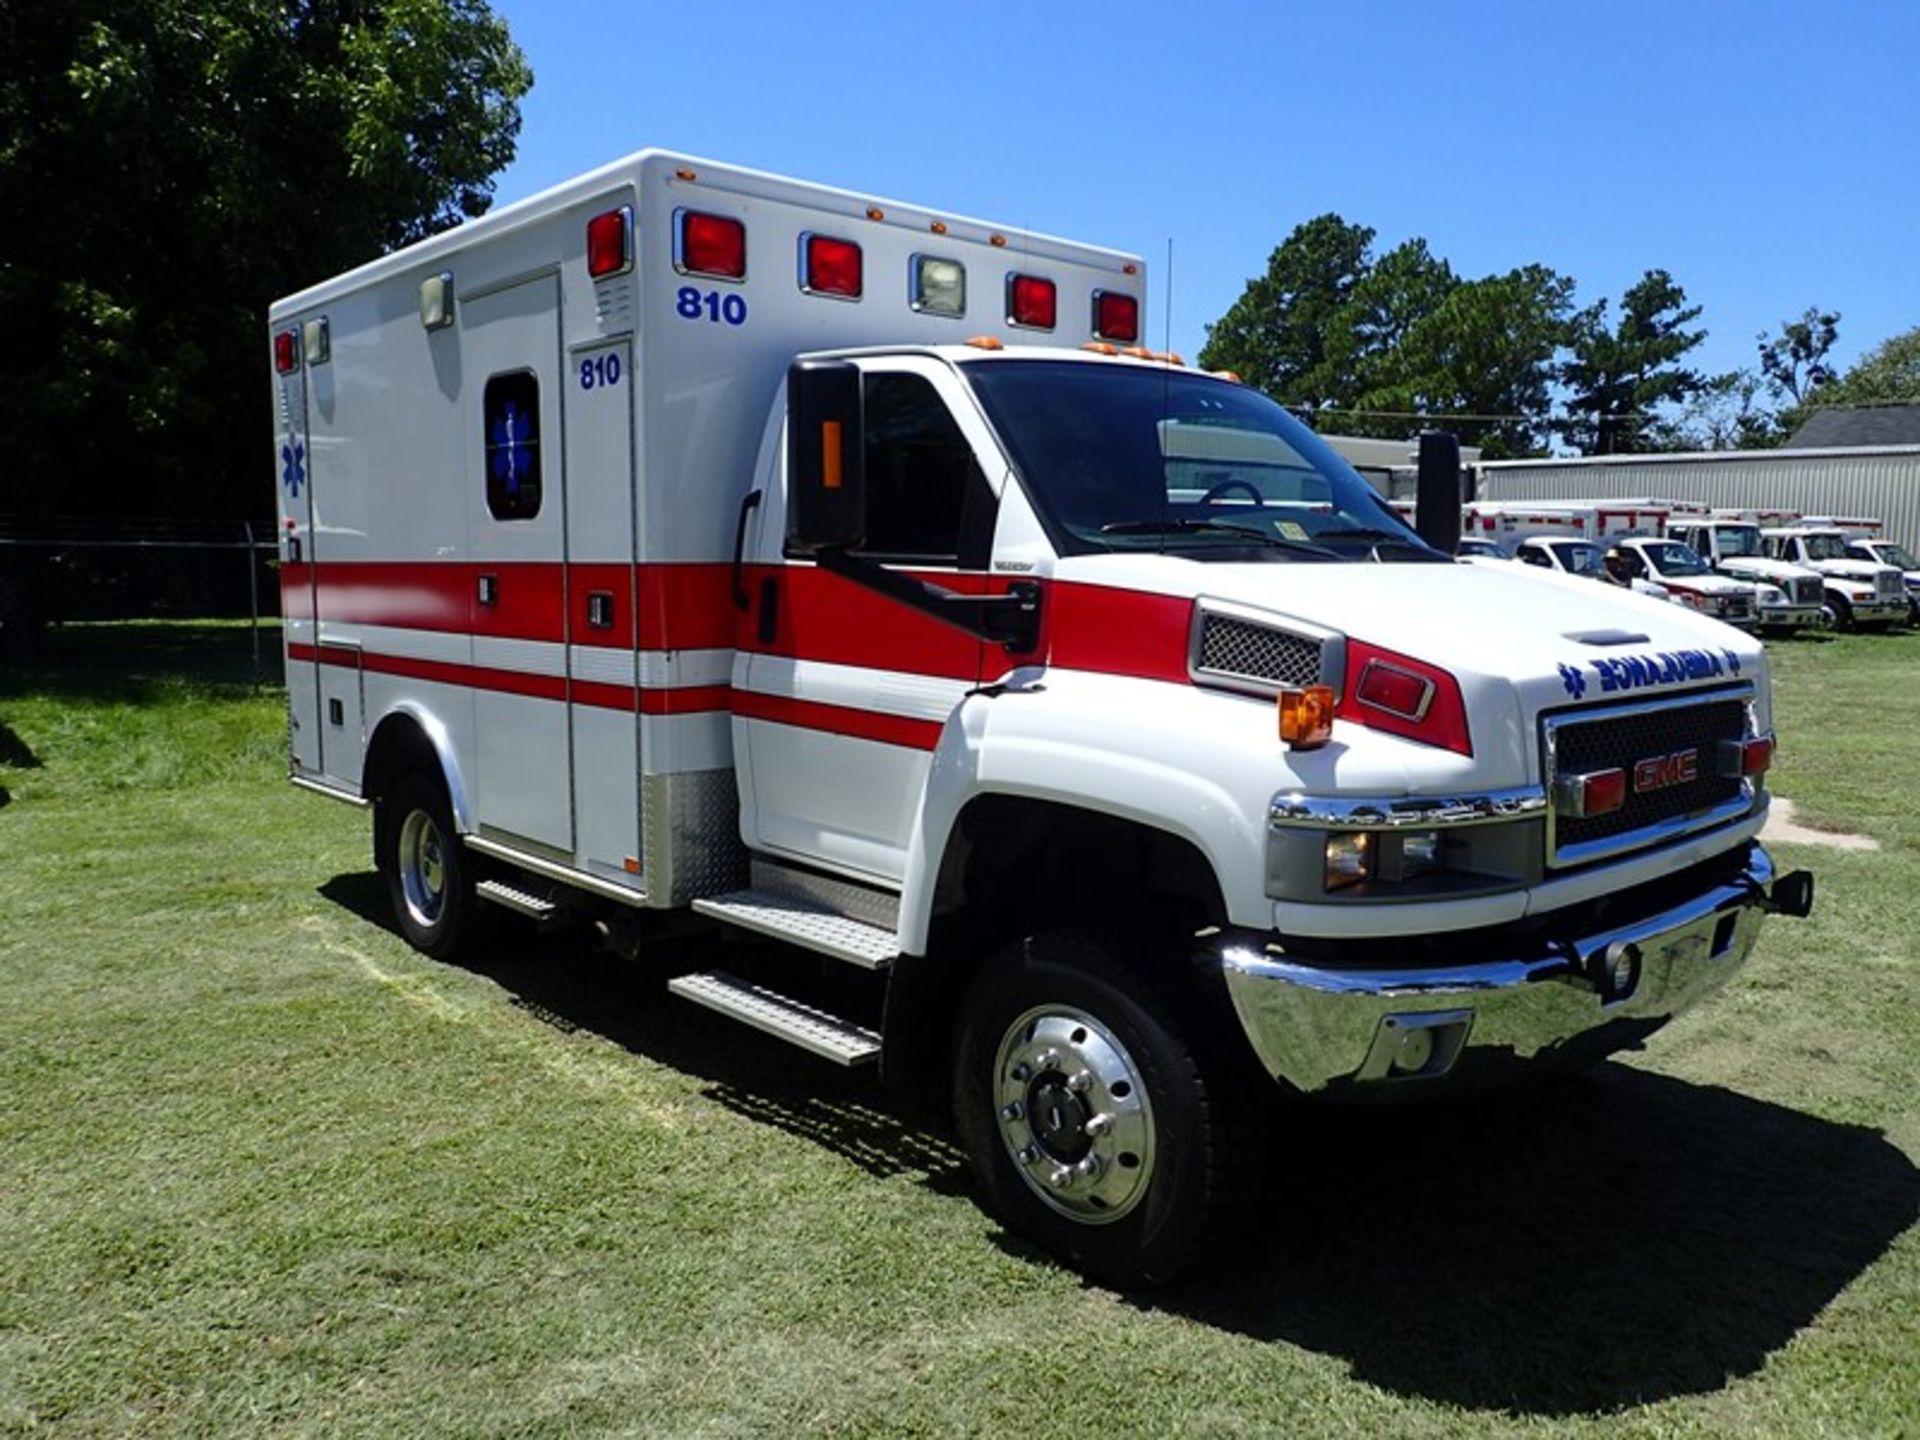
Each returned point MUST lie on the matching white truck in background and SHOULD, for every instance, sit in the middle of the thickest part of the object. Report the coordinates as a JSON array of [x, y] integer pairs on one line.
[[690, 546], [1788, 597], [1858, 592]]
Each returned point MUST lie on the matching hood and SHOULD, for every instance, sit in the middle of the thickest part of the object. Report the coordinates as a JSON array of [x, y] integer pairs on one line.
[[1755, 567], [1706, 584], [1860, 570], [1519, 639]]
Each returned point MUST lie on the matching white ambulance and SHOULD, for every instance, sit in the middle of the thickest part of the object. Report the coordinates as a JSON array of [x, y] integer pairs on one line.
[[693, 541]]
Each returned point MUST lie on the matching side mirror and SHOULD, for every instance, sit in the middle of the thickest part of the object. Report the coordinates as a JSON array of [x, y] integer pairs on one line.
[[1436, 515], [826, 474]]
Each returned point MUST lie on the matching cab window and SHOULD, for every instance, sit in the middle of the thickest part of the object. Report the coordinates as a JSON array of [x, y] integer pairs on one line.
[[926, 498]]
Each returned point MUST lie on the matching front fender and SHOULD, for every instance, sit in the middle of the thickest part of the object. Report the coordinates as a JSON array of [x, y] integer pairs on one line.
[[1098, 743]]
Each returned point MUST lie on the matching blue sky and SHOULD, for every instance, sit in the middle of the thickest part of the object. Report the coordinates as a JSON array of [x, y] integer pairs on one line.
[[1768, 155]]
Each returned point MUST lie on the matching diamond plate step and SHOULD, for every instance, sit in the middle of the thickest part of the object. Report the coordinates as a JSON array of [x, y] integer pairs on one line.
[[513, 897], [801, 923], [798, 1024]]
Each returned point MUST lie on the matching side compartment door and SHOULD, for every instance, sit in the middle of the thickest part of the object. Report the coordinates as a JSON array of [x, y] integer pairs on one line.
[[603, 649], [523, 787], [839, 708], [293, 465]]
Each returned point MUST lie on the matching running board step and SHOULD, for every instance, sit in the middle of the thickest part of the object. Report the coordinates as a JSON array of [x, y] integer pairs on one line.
[[537, 907], [798, 1024], [800, 922]]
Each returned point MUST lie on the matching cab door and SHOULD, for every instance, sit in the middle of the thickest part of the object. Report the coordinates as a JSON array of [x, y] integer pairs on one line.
[[841, 694], [518, 599]]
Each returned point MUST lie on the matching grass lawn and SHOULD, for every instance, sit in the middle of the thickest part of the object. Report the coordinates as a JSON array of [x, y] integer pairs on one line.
[[263, 1168]]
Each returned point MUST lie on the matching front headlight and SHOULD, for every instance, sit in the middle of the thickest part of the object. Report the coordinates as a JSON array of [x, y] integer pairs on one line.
[[1349, 859], [1772, 595]]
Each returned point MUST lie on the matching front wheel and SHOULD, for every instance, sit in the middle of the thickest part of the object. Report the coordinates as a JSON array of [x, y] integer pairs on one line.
[[425, 869], [1840, 613], [1093, 1125]]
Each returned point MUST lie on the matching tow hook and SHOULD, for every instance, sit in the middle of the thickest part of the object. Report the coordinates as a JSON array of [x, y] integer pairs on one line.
[[1792, 894]]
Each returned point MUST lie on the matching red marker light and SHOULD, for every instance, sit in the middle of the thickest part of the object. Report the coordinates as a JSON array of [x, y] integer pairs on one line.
[[1115, 316], [608, 251], [1031, 301], [1398, 692], [713, 245], [286, 352], [833, 266], [1600, 792]]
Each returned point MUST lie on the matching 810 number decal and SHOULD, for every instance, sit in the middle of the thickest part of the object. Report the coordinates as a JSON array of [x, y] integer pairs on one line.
[[599, 370], [691, 303]]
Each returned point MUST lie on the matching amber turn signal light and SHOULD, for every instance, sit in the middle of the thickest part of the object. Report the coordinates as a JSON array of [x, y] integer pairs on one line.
[[1306, 716]]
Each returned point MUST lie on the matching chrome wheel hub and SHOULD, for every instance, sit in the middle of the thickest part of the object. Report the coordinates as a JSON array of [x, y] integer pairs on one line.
[[1073, 1111], [422, 862]]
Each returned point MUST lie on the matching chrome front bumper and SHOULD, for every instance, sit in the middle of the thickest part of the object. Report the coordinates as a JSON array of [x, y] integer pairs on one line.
[[1376, 1031], [1873, 612], [1791, 617]]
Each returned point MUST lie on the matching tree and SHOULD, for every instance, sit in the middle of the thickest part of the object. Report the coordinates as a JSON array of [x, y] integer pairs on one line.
[[1888, 374], [1275, 335], [1481, 361], [1795, 361], [1618, 376], [1727, 413], [1396, 293], [183, 162]]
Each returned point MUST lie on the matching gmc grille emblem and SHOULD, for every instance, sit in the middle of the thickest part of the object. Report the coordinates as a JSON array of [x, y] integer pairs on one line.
[[1657, 772]]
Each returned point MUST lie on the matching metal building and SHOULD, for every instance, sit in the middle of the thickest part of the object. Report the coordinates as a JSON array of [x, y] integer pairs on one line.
[[1857, 480]]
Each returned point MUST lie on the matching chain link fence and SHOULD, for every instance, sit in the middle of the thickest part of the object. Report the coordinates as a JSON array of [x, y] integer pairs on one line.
[[56, 570]]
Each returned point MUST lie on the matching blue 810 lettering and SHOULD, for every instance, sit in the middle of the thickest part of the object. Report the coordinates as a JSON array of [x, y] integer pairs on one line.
[[691, 303], [599, 370]]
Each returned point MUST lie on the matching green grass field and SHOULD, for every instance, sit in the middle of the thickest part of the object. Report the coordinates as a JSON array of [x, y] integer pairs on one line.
[[264, 1169]]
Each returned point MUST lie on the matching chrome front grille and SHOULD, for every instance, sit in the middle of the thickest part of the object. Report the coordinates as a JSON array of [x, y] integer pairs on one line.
[[1805, 590], [1887, 584], [1625, 738], [1251, 655], [1740, 606]]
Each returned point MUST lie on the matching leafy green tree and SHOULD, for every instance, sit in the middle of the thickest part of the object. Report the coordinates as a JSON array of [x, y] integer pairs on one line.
[[1275, 335], [1888, 374], [1729, 412], [1618, 376], [168, 167], [1398, 291], [1481, 362], [1794, 362]]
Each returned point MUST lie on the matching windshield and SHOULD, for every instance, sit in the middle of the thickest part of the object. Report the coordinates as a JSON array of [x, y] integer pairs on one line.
[[1669, 557], [1825, 547], [1897, 555], [1579, 557], [1738, 540], [1123, 458]]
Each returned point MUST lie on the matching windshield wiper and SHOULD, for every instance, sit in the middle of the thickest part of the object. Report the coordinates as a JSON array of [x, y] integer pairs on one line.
[[1367, 532], [1189, 527]]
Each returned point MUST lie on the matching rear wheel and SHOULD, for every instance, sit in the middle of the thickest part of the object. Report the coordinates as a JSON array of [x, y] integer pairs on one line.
[[1080, 1094], [428, 883]]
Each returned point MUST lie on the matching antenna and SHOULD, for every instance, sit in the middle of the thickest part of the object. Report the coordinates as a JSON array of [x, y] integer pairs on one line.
[[1167, 326]]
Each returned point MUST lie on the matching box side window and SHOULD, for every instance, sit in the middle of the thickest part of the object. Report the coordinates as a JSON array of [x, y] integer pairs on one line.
[[512, 445]]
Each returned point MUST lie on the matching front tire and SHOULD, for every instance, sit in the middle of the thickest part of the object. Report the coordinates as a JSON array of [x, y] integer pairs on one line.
[[424, 865], [1093, 1125], [1842, 612]]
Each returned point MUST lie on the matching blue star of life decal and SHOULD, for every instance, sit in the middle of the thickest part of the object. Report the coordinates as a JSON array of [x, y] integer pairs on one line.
[[1575, 682], [512, 456], [293, 466]]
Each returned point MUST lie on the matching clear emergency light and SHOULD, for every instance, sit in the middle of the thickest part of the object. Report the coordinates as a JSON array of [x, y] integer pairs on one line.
[[1030, 301], [830, 266], [939, 286], [436, 301], [1116, 316], [711, 245], [610, 243], [316, 342]]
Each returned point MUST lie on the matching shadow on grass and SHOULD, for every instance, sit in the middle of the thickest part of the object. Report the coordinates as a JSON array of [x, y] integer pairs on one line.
[[1600, 1243], [135, 662]]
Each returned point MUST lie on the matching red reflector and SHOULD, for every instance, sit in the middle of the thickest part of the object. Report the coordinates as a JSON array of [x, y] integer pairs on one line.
[[1115, 316], [1030, 301], [607, 243], [1602, 792], [1758, 757], [833, 266], [286, 352], [1399, 692], [713, 245]]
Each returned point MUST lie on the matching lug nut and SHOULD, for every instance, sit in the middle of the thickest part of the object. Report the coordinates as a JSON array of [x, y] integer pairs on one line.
[[1013, 1111], [1089, 1167], [1026, 1155], [1080, 1081], [1048, 1060], [1097, 1126], [1060, 1179], [1023, 1072]]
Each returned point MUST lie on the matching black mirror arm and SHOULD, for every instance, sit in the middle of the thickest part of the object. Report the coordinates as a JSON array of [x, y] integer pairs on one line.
[[1012, 619]]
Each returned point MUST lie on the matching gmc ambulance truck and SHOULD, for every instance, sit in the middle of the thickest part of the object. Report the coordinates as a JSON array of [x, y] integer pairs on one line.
[[693, 545]]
